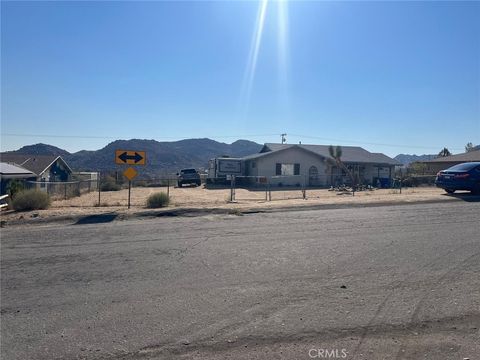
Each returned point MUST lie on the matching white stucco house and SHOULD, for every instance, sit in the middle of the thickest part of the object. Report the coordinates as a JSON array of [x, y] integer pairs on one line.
[[312, 165]]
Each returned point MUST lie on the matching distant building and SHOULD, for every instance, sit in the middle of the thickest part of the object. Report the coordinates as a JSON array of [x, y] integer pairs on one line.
[[442, 163], [44, 167]]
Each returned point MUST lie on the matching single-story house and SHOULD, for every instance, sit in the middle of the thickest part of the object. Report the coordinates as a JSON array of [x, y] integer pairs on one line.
[[44, 167], [442, 163], [10, 172], [312, 165]]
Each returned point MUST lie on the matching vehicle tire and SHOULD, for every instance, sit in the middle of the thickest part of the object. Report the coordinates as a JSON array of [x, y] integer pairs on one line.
[[179, 184], [476, 189], [450, 191], [199, 183]]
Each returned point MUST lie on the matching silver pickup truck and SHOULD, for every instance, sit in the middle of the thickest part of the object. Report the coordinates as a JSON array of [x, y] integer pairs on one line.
[[188, 176]]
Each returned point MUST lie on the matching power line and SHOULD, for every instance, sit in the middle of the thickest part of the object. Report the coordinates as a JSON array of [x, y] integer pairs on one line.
[[369, 143]]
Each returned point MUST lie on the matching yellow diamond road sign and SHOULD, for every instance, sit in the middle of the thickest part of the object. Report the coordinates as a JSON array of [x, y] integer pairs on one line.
[[130, 173], [127, 157]]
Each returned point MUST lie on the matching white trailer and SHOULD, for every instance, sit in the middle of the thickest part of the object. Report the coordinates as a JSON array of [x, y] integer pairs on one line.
[[221, 169]]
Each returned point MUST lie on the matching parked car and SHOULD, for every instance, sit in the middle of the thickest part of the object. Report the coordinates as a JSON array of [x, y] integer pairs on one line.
[[188, 176], [465, 176]]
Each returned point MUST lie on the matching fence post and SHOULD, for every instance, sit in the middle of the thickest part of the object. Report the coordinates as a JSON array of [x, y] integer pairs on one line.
[[168, 186], [269, 190], [266, 189], [65, 186], [98, 187], [305, 187], [401, 180], [232, 191]]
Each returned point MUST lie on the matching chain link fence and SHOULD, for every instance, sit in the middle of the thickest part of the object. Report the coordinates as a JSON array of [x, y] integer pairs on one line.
[[58, 190]]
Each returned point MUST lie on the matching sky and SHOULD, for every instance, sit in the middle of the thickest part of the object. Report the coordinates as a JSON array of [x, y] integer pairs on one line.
[[393, 77]]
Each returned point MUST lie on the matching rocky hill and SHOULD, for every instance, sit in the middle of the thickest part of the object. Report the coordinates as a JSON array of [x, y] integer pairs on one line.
[[407, 159], [162, 157]]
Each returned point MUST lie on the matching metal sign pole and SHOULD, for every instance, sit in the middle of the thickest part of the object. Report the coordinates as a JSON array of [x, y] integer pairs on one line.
[[129, 191]]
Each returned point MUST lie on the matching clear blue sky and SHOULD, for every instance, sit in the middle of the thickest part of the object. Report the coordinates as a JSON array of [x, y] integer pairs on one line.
[[356, 73]]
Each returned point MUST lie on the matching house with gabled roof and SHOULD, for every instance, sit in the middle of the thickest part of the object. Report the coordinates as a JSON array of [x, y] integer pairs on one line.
[[44, 167], [294, 164]]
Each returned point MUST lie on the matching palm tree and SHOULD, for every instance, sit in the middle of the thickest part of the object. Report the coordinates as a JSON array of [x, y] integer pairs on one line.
[[444, 152]]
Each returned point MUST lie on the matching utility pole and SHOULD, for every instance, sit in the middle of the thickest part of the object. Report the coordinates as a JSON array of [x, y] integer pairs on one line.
[[284, 139]]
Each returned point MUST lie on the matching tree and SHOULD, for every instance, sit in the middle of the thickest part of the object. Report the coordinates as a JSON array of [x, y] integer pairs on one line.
[[444, 152], [469, 147], [336, 155]]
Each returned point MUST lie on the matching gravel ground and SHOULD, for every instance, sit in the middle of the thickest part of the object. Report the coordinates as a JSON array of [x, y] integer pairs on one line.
[[202, 198]]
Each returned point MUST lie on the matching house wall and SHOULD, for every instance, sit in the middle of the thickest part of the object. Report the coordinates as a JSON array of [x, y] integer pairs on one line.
[[266, 166]]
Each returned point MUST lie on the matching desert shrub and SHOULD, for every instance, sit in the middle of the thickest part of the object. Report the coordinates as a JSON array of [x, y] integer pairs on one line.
[[157, 200], [109, 184], [31, 200], [14, 187]]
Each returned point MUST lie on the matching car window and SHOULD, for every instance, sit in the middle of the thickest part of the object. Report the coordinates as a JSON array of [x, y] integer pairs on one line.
[[462, 167]]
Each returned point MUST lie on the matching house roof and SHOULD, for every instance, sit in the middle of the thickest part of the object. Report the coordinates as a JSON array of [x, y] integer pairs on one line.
[[350, 154], [470, 156], [9, 170], [37, 164]]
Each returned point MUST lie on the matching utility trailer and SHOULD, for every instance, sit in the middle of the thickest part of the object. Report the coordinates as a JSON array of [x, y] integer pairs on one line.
[[221, 169]]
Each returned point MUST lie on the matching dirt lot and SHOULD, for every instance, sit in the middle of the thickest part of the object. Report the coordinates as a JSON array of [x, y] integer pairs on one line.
[[219, 198]]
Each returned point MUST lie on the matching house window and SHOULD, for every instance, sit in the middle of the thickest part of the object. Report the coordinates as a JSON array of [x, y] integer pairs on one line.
[[287, 169], [253, 164]]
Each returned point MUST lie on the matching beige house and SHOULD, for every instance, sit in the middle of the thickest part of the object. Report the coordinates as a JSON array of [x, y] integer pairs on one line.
[[442, 163], [312, 165]]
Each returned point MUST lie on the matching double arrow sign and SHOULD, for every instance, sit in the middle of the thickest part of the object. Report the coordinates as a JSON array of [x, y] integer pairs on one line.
[[123, 157]]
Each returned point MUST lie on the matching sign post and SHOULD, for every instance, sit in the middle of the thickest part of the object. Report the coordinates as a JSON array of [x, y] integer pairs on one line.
[[130, 157], [130, 174], [129, 191]]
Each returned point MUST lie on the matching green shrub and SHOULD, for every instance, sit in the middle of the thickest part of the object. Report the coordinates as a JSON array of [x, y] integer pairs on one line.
[[31, 200], [157, 200], [109, 184], [14, 187]]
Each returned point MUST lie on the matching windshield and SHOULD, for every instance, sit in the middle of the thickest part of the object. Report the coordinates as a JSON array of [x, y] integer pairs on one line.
[[189, 171]]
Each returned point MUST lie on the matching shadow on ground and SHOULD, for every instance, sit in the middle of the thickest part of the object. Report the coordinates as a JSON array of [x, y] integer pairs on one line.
[[96, 219], [465, 196]]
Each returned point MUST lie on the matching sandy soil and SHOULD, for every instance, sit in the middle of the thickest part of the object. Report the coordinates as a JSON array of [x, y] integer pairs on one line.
[[219, 198]]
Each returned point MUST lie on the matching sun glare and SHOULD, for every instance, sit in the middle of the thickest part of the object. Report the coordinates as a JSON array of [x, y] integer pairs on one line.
[[282, 38], [253, 55]]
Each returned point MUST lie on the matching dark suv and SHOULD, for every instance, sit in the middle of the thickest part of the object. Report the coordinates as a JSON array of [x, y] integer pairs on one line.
[[464, 176], [188, 176]]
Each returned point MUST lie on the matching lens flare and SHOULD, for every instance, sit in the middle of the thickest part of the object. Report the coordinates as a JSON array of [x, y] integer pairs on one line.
[[253, 55], [282, 56], [283, 65]]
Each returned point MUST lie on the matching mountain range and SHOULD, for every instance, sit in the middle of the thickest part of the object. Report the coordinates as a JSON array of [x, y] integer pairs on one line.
[[164, 157], [407, 159]]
